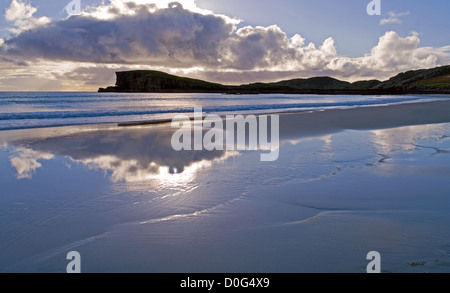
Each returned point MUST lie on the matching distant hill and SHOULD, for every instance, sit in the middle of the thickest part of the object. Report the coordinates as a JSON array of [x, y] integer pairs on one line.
[[420, 80], [426, 81], [315, 83], [365, 84]]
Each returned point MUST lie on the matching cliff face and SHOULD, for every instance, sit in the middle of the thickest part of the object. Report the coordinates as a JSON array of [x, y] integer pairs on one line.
[[427, 81], [155, 81], [135, 81]]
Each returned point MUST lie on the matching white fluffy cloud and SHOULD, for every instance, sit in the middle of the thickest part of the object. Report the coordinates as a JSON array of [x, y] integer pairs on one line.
[[27, 162], [20, 14], [180, 37], [115, 8], [392, 54], [393, 18]]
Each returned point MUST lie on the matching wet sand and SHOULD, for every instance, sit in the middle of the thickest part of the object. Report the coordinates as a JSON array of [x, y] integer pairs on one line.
[[347, 182]]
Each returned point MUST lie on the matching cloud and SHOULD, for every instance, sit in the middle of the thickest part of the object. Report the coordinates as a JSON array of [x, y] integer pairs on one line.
[[26, 163], [170, 37], [392, 54], [252, 48], [138, 154], [179, 37], [20, 14], [393, 18], [128, 7]]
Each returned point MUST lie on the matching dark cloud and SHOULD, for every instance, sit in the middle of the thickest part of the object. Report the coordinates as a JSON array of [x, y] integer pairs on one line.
[[171, 36]]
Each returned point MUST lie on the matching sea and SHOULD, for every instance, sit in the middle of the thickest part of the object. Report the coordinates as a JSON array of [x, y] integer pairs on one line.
[[22, 110]]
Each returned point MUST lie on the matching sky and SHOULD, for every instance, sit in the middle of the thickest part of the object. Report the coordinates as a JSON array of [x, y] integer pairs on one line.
[[43, 48]]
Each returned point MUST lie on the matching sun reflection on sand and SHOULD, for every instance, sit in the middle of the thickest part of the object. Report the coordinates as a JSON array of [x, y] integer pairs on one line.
[[132, 155], [130, 171], [405, 138]]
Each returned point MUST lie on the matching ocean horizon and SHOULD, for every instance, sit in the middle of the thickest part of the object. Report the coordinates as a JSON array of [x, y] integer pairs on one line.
[[22, 110]]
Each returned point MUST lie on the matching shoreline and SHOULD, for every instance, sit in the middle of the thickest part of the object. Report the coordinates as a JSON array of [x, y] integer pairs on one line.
[[328, 120], [335, 92], [360, 118], [365, 118]]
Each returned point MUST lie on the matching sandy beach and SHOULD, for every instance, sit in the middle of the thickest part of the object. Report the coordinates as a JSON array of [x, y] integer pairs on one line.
[[347, 181]]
